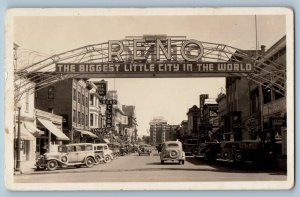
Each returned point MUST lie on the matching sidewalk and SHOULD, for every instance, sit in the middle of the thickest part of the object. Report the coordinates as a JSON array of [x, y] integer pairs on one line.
[[27, 167]]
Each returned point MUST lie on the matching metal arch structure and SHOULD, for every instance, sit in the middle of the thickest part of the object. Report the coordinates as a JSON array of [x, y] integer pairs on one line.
[[39, 72]]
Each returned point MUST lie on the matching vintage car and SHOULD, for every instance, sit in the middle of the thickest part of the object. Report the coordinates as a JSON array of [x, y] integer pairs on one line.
[[247, 150], [189, 146], [115, 148], [208, 150], [103, 150], [68, 155], [172, 151], [144, 150]]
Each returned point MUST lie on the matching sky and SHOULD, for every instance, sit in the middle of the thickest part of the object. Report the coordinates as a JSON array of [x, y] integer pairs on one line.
[[167, 97]]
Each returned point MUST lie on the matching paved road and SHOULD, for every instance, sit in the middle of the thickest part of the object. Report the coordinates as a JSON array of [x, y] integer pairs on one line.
[[134, 168]]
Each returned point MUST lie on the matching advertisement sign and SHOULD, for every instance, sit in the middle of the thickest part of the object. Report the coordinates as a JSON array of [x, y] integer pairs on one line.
[[102, 88]]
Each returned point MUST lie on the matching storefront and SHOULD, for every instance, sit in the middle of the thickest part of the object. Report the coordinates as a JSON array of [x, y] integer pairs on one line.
[[53, 136]]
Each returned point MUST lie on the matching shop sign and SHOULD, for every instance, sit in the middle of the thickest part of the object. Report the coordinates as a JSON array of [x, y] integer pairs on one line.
[[252, 124], [102, 88], [278, 121]]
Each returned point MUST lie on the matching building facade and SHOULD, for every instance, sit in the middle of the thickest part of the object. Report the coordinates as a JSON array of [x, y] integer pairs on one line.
[[161, 131], [69, 99]]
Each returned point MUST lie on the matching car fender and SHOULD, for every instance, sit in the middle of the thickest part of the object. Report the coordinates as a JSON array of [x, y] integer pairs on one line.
[[90, 156], [53, 158]]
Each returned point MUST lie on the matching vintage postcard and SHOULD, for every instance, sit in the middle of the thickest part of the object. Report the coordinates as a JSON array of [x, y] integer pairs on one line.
[[149, 99]]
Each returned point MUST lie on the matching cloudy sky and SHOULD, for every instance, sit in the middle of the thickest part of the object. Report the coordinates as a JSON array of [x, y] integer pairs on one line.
[[169, 98]]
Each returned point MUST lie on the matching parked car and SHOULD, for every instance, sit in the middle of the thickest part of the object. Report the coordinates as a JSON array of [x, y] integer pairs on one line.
[[68, 155], [189, 146], [144, 150], [104, 150], [172, 151], [115, 147], [208, 150]]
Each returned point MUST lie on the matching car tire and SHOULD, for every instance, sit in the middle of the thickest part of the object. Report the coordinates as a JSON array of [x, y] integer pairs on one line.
[[107, 159], [162, 161], [89, 162], [238, 157], [52, 165]]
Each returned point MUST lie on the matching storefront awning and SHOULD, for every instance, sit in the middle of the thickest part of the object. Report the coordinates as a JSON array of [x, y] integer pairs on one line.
[[33, 130], [84, 132], [53, 129], [106, 141], [24, 133]]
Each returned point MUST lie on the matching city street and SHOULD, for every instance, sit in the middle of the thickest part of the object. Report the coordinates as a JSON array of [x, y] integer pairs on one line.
[[132, 168]]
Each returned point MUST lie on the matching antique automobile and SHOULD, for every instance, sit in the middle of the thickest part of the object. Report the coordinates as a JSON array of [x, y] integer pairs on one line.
[[172, 151], [115, 148], [189, 146], [208, 150], [103, 150], [253, 151], [228, 150], [247, 150], [124, 150], [144, 150], [68, 155]]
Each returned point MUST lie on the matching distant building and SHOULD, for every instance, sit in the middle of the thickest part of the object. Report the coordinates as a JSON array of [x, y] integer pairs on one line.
[[193, 116], [160, 131], [131, 125], [210, 123]]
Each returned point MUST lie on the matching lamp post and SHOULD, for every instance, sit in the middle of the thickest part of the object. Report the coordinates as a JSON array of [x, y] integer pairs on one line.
[[18, 163]]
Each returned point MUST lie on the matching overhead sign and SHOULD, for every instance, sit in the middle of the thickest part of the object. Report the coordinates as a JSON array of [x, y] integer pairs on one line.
[[278, 121], [158, 67]]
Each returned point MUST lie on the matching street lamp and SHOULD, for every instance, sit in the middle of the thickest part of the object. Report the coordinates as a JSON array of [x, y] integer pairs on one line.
[[18, 163]]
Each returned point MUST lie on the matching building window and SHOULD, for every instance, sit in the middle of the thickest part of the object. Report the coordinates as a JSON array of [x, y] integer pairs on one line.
[[86, 120], [82, 121], [91, 119], [74, 115], [254, 101], [74, 94], [267, 93], [277, 95], [78, 97], [51, 92], [83, 102], [91, 99], [78, 118], [27, 102]]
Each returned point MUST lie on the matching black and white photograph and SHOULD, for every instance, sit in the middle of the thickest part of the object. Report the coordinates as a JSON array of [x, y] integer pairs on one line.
[[149, 99]]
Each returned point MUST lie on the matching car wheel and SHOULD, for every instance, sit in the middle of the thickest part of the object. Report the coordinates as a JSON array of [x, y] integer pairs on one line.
[[52, 165], [107, 159], [238, 157], [89, 162], [162, 161]]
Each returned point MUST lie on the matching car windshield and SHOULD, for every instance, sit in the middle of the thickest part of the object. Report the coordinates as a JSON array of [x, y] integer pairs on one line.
[[62, 149], [172, 145]]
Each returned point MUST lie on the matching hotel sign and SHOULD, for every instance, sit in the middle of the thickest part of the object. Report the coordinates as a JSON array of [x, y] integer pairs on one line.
[[157, 55]]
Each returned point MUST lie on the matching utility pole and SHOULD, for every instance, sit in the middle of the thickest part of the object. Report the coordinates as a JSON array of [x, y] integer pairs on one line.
[[18, 164]]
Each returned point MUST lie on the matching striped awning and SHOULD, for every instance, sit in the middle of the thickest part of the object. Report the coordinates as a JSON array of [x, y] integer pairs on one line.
[[84, 132], [53, 129]]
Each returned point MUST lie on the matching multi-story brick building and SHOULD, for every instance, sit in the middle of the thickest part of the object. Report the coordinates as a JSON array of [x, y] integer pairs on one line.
[[161, 131], [69, 99]]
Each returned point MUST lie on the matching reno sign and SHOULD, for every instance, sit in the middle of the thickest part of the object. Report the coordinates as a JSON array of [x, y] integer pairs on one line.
[[159, 56]]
